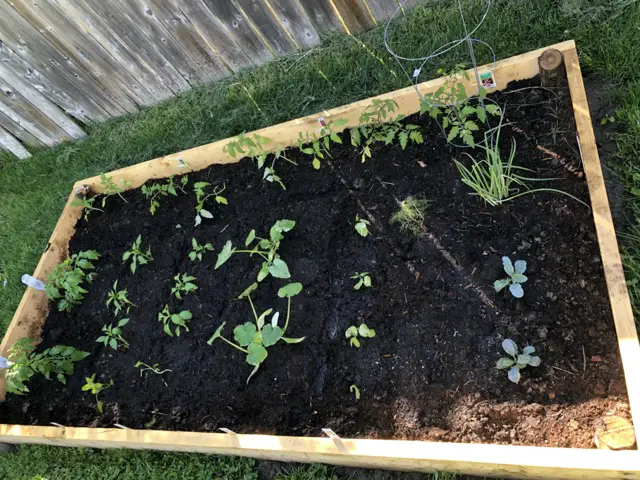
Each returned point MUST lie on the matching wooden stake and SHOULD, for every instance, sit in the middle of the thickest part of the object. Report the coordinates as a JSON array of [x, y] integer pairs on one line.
[[552, 73]]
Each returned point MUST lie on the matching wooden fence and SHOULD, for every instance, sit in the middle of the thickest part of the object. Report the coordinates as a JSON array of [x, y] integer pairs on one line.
[[65, 63]]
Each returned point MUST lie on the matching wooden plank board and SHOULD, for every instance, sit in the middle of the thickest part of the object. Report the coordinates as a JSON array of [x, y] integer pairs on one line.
[[324, 17], [168, 23], [475, 459], [51, 21], [261, 19], [10, 144], [62, 72], [214, 35], [19, 132], [355, 14], [611, 261], [383, 9], [295, 21]]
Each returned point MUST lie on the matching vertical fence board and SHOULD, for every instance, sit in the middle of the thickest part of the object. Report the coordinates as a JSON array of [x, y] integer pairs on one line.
[[262, 19], [382, 9], [324, 16], [355, 14], [295, 21], [10, 144]]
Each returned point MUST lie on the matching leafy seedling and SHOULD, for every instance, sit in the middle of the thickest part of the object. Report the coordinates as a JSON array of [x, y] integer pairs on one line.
[[113, 335], [254, 339], [95, 388], [87, 206], [58, 360], [518, 361], [267, 248], [110, 188], [318, 146], [155, 368], [184, 285], [201, 197], [176, 320], [355, 390], [378, 123], [64, 284], [119, 299], [136, 255], [156, 191], [411, 216], [353, 332], [198, 250], [516, 277], [363, 280], [362, 226]]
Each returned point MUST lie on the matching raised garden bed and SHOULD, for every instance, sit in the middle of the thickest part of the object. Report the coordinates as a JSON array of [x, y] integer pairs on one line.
[[428, 374]]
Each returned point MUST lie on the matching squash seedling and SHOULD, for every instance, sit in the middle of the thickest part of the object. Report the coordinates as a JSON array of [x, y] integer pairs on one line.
[[58, 360], [516, 277], [156, 190], [202, 196], [267, 248], [87, 206], [411, 216], [518, 361], [137, 256], [364, 280], [119, 299], [353, 332], [355, 390], [95, 388], [377, 124], [64, 284], [113, 335], [169, 319], [184, 285], [254, 339], [362, 226], [197, 250]]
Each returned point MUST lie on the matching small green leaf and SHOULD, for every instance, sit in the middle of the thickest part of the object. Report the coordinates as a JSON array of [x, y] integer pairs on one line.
[[528, 350], [354, 342], [453, 133], [264, 271], [279, 269], [257, 354], [352, 331], [504, 362], [534, 361], [113, 343], [366, 332], [185, 315], [500, 284], [222, 200], [250, 238], [514, 374], [508, 266], [290, 290], [225, 254], [244, 334], [250, 289], [519, 278], [270, 335], [206, 213], [510, 347], [367, 281], [293, 340], [362, 229], [316, 163], [520, 266], [260, 320]]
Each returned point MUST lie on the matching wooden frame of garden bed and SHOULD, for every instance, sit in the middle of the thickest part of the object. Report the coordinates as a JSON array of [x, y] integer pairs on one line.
[[475, 459]]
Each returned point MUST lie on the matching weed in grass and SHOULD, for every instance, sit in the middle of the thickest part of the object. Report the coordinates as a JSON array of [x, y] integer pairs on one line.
[[136, 255], [197, 250], [157, 190], [379, 124], [25, 363], [184, 285], [95, 388], [175, 320], [201, 197], [119, 299], [253, 340], [411, 216], [64, 284], [113, 335], [516, 361]]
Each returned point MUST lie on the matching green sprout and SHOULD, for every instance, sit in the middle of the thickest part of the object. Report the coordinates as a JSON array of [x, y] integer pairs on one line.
[[319, 146], [184, 285], [361, 226], [137, 256], [353, 332], [113, 335], [110, 188], [254, 339], [201, 197], [64, 284], [119, 299], [169, 319], [518, 361], [364, 280], [156, 190], [197, 250], [516, 277], [355, 390], [95, 388]]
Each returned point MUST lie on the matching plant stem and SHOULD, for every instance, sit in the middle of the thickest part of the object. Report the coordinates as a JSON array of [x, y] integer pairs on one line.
[[286, 323], [253, 309], [262, 254], [234, 345]]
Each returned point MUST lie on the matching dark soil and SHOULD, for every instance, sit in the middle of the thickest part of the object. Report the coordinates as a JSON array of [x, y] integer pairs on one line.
[[430, 371]]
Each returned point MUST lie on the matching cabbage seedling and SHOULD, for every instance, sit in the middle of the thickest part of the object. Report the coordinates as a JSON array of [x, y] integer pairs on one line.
[[516, 277], [254, 339], [184, 285], [95, 388], [202, 196], [267, 248], [363, 280], [199, 250], [119, 299], [518, 361], [361, 226], [353, 332], [179, 319], [113, 335], [24, 364], [64, 284], [137, 256]]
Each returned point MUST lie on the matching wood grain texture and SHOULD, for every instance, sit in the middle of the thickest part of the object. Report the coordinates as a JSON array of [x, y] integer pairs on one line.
[[324, 17], [474, 459], [355, 15], [10, 144], [382, 9], [19, 132], [262, 20], [611, 261], [294, 19]]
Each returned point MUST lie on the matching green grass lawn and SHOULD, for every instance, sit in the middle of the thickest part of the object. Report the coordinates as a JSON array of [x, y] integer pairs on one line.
[[343, 70]]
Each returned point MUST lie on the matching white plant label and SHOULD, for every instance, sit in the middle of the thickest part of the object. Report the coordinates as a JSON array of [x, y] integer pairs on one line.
[[32, 282], [416, 72]]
